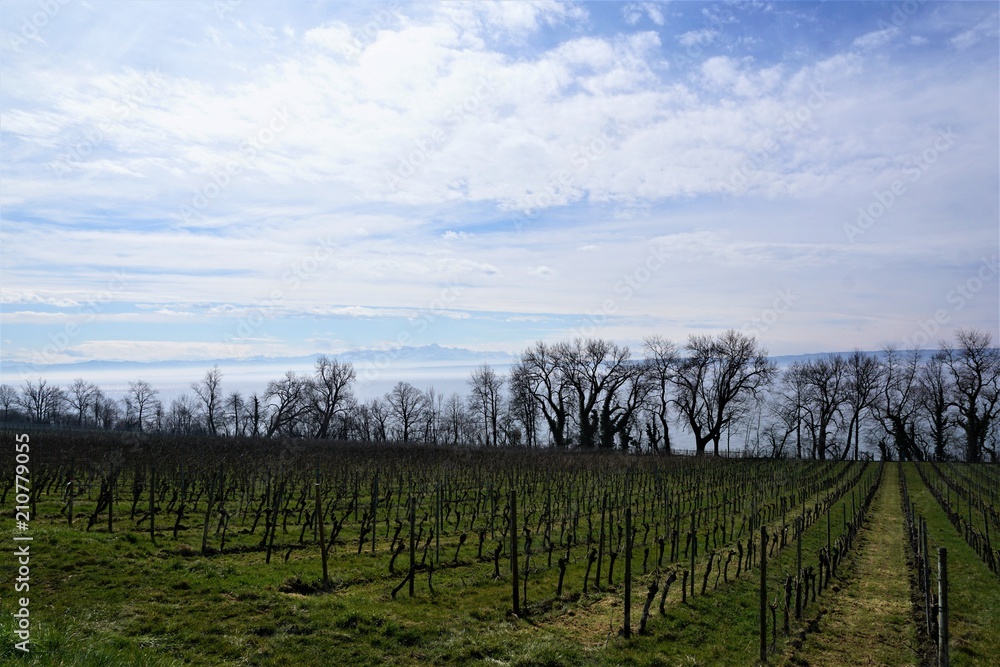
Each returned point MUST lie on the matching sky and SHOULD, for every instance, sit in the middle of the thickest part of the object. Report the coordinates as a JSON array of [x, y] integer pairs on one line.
[[230, 180]]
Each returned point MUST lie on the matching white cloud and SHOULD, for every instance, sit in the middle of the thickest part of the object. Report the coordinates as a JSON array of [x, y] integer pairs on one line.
[[876, 39], [335, 37], [983, 30], [635, 12], [555, 145], [698, 37]]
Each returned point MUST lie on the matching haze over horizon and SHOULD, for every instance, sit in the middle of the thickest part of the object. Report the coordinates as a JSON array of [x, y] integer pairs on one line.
[[219, 180]]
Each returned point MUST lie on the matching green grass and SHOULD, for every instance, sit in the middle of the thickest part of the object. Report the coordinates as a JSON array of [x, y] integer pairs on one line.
[[870, 620], [102, 598], [974, 591]]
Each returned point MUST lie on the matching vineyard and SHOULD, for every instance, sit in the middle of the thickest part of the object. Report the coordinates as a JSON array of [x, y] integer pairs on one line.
[[152, 550]]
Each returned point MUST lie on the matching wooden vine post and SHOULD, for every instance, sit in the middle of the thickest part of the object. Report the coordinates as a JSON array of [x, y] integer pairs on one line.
[[628, 572], [513, 550], [413, 543], [322, 537], [763, 594], [694, 547], [943, 656]]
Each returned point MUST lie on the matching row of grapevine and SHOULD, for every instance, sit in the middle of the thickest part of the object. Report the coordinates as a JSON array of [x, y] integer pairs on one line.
[[552, 528], [969, 506]]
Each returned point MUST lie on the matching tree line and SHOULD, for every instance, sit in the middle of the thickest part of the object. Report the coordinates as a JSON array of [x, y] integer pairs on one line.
[[594, 394]]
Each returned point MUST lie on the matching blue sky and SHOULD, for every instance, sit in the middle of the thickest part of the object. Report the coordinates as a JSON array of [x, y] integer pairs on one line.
[[201, 181]]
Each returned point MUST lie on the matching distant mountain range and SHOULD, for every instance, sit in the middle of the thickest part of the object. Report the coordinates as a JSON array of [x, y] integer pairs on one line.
[[420, 356]]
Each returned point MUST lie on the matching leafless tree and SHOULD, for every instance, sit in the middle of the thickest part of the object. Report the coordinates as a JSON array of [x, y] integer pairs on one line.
[[287, 402], [713, 377], [523, 406], [825, 382], [662, 356], [594, 369], [235, 414], [933, 397], [863, 381], [541, 373], [378, 409], [8, 398], [41, 401], [485, 401], [431, 416], [181, 417], [209, 390], [407, 405], [897, 405], [455, 420], [106, 411], [80, 396], [622, 402], [331, 392], [142, 398], [974, 365]]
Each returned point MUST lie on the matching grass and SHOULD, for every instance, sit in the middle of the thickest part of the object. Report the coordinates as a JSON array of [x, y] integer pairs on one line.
[[102, 598], [870, 621], [974, 591]]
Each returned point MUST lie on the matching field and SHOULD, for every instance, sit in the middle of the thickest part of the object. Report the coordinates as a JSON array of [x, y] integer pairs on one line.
[[198, 551]]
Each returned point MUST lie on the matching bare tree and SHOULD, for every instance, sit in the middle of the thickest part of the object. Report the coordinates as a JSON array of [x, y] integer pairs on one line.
[[181, 417], [975, 371], [622, 402], [8, 398], [142, 398], [863, 380], [235, 414], [485, 401], [106, 411], [41, 401], [594, 369], [541, 374], [713, 377], [378, 410], [209, 390], [662, 356], [407, 404], [897, 404], [256, 414], [933, 397], [287, 401], [331, 392], [788, 403], [825, 383], [80, 395], [523, 406]]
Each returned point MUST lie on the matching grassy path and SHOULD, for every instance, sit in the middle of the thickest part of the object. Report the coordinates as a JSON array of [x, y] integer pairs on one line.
[[869, 622], [974, 590]]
